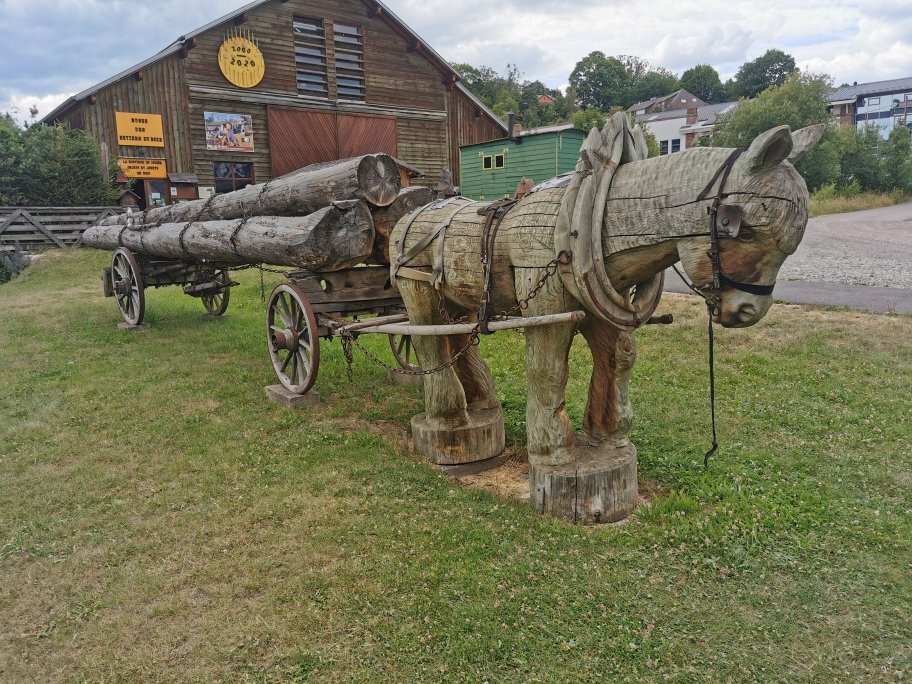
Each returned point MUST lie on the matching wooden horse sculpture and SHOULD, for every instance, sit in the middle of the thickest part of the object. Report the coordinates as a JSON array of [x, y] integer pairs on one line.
[[606, 232]]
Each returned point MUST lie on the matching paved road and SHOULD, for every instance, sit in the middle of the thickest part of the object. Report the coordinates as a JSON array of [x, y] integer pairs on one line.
[[861, 260]]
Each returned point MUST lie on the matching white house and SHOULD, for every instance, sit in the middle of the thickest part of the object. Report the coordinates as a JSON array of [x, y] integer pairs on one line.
[[676, 130]]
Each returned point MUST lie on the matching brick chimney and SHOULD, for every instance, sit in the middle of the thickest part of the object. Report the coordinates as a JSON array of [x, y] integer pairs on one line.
[[690, 121]]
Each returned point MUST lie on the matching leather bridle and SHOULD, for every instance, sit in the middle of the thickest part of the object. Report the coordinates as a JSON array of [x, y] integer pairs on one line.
[[729, 217]]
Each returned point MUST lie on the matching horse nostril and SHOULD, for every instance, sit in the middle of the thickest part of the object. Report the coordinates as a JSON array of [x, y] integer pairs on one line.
[[747, 312]]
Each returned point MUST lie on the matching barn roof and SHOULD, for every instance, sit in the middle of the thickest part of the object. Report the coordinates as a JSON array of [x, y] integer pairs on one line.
[[178, 44]]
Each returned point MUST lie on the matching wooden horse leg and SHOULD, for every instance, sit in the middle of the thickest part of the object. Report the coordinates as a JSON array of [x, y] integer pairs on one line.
[[549, 434], [475, 376], [608, 412], [444, 398]]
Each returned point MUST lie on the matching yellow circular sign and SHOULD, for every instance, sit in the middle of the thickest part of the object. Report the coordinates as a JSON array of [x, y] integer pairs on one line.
[[241, 62]]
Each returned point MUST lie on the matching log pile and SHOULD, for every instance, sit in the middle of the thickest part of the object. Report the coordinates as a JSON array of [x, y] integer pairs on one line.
[[324, 217]]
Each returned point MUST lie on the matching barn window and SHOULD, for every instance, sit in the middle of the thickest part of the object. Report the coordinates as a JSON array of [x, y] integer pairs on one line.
[[310, 56], [230, 176], [487, 162], [499, 161], [349, 47]]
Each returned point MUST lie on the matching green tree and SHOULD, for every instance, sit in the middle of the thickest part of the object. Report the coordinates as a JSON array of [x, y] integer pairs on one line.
[[704, 82], [860, 158], [11, 153], [600, 82], [586, 119], [770, 69], [51, 166], [898, 159], [800, 101]]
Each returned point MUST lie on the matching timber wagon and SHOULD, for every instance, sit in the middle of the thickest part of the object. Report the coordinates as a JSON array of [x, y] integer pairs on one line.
[[326, 225]]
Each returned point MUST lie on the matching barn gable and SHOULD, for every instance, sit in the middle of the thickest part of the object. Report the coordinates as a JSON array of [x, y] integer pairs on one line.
[[341, 77]]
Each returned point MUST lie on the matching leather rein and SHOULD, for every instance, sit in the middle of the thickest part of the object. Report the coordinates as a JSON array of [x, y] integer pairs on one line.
[[730, 219]]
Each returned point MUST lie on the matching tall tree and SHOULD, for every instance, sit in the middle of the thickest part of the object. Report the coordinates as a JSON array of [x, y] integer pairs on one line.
[[704, 82], [600, 82], [800, 101], [770, 69]]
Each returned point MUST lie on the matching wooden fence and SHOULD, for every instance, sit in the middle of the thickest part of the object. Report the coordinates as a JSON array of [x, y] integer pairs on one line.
[[30, 228]]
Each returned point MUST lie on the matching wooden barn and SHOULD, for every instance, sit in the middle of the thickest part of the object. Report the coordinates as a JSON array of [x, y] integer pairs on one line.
[[277, 85]]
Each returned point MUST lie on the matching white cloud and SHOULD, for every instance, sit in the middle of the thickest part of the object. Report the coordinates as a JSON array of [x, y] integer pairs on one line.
[[19, 104], [66, 45]]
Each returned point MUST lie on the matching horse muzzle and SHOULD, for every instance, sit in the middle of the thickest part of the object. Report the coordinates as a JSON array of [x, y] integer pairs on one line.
[[739, 309]]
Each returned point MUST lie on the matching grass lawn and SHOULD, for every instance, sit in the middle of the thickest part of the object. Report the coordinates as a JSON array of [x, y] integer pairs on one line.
[[159, 521]]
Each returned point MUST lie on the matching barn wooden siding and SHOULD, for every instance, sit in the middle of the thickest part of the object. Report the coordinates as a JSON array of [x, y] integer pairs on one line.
[[161, 89]]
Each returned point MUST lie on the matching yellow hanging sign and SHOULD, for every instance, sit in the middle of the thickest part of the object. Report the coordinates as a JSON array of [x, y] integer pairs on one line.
[[139, 130], [143, 168], [241, 61]]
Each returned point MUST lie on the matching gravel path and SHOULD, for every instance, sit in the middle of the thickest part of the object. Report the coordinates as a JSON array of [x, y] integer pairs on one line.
[[872, 247]]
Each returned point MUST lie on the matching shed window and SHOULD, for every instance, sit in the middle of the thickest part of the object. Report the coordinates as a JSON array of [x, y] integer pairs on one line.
[[676, 145], [349, 61], [499, 161], [230, 176], [310, 56], [487, 162]]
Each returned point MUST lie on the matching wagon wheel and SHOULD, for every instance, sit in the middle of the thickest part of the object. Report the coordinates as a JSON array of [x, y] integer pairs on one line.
[[404, 351], [291, 335], [127, 282], [216, 303]]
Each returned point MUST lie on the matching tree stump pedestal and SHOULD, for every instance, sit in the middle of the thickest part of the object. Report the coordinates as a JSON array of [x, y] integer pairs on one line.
[[599, 486], [480, 439]]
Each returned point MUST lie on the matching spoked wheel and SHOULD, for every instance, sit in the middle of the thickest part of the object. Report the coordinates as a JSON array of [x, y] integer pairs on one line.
[[128, 286], [291, 335], [404, 351], [217, 303]]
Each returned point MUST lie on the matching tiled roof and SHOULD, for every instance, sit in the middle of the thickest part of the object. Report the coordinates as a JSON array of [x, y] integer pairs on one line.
[[874, 88]]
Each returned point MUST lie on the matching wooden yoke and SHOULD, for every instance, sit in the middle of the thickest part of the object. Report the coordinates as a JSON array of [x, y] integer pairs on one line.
[[579, 228]]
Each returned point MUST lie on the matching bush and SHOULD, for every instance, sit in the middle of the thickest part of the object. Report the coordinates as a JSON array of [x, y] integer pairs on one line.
[[50, 166], [12, 263]]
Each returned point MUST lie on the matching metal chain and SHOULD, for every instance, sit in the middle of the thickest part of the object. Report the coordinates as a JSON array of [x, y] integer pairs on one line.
[[350, 340]]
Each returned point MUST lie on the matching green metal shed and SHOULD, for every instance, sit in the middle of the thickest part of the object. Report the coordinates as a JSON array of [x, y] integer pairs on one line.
[[492, 170]]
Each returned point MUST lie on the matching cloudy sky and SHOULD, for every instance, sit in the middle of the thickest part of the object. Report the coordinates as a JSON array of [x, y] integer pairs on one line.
[[59, 47]]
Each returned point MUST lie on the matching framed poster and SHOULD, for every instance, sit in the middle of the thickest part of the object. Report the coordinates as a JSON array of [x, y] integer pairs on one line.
[[229, 132]]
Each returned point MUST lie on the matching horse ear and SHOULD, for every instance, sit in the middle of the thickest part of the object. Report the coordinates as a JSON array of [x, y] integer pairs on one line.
[[804, 140], [769, 150]]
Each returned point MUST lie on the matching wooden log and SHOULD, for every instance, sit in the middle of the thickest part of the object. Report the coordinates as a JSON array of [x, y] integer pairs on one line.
[[326, 240], [599, 486], [372, 177], [385, 218]]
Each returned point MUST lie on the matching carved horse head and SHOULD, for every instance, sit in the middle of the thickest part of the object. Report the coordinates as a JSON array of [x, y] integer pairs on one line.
[[764, 204]]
